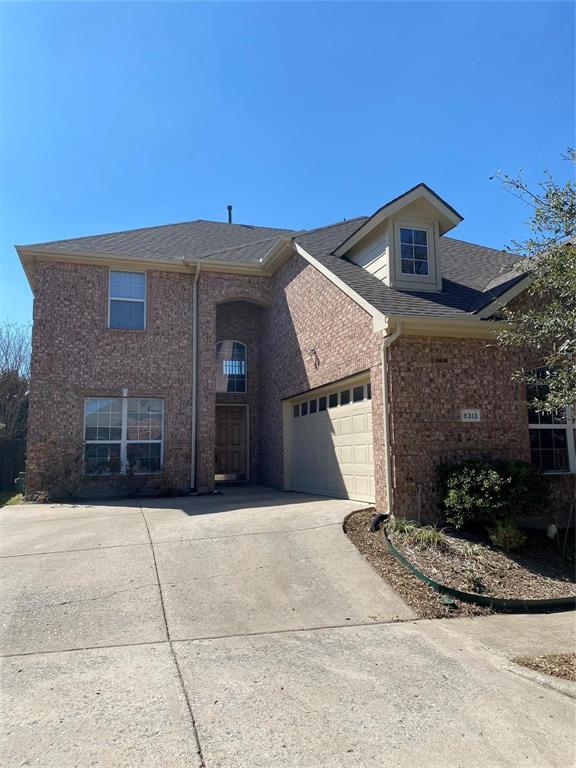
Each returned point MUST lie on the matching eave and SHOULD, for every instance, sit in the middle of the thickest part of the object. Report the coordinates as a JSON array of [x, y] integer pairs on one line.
[[469, 326]]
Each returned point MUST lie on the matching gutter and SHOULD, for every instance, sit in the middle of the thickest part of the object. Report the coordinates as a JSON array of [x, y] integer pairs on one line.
[[387, 341], [194, 375]]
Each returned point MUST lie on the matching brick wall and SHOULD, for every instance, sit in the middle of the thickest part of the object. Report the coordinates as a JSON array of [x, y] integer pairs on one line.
[[309, 312], [431, 380], [75, 355], [215, 289]]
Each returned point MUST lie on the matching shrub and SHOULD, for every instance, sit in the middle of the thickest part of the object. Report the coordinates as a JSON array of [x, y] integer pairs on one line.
[[427, 537], [482, 492], [506, 535], [422, 537], [474, 494], [54, 470], [400, 525]]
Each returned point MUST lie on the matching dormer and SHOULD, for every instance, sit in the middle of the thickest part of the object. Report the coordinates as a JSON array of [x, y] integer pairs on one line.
[[399, 243]]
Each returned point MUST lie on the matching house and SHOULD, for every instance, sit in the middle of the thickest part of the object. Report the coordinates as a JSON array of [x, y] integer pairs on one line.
[[347, 360]]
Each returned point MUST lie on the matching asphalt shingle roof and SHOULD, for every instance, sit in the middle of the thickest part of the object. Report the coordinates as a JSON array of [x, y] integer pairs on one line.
[[473, 275], [190, 240]]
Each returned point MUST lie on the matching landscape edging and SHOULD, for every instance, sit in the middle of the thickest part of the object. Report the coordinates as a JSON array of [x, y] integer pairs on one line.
[[499, 603]]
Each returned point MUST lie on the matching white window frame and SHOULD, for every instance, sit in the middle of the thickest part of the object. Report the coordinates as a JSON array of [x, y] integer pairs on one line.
[[569, 426], [401, 276], [243, 344], [122, 298], [124, 442]]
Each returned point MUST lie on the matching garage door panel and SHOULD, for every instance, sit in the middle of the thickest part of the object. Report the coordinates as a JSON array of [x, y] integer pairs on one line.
[[332, 451]]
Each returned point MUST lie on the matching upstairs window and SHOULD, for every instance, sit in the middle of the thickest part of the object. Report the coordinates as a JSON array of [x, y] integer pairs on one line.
[[230, 366], [127, 300], [552, 435], [414, 251]]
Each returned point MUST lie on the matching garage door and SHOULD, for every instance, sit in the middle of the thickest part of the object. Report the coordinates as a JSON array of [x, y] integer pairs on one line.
[[332, 451]]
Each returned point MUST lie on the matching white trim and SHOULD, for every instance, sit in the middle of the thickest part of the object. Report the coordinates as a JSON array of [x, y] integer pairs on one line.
[[449, 217], [122, 298], [412, 280], [568, 426], [387, 341], [123, 442], [468, 326], [248, 457], [379, 318], [505, 298]]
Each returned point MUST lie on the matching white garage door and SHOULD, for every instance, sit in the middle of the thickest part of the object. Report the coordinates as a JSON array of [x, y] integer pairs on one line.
[[332, 451]]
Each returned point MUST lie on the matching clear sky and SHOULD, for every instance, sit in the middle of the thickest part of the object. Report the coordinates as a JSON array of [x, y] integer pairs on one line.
[[116, 116]]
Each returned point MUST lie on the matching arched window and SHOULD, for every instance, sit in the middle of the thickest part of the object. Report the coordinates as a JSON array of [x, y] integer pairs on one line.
[[230, 366]]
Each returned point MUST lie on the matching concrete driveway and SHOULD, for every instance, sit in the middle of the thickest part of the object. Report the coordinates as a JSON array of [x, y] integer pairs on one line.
[[243, 630]]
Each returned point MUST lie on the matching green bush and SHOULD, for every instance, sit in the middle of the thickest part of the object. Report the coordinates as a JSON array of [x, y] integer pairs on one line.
[[506, 535], [419, 536], [427, 537], [400, 525], [476, 493]]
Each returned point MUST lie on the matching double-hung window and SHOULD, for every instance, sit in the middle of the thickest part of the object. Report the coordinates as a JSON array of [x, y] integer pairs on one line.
[[414, 258], [552, 435], [123, 434], [127, 300]]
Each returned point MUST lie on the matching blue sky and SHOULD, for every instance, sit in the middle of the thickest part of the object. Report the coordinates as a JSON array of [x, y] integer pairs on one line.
[[116, 116]]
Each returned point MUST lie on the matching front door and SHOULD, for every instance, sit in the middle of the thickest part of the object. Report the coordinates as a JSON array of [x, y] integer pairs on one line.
[[231, 447]]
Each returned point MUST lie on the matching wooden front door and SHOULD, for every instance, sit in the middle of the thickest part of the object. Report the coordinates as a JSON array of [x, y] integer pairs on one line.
[[231, 443]]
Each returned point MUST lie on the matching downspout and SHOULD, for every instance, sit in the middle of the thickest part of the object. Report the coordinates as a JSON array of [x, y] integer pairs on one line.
[[194, 375], [387, 341]]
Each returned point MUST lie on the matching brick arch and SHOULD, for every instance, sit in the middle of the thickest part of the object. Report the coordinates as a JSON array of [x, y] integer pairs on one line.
[[220, 288], [264, 303]]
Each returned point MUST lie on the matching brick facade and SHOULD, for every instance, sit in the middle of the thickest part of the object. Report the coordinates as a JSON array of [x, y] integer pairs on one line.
[[75, 355], [215, 289], [430, 381], [281, 319]]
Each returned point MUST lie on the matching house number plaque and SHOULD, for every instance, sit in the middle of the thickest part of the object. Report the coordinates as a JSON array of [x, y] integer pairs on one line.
[[470, 414]]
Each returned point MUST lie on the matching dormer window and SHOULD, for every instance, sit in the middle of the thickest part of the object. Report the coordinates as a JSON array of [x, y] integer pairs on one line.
[[414, 251], [400, 243]]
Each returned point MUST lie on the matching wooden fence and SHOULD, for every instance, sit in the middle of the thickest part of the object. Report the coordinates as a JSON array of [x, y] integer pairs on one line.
[[12, 459]]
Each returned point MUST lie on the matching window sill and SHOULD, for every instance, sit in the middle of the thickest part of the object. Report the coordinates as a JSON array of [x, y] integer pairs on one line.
[[126, 330]]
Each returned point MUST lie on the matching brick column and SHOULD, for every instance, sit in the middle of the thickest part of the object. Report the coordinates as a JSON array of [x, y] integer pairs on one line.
[[206, 392]]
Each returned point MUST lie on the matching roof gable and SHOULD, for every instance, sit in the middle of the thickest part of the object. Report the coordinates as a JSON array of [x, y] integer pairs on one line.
[[447, 216]]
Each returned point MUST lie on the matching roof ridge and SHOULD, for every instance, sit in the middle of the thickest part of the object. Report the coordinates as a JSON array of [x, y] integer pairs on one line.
[[156, 226], [329, 226]]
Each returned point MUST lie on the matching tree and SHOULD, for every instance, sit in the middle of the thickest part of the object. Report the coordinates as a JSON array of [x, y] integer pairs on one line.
[[15, 351], [544, 319]]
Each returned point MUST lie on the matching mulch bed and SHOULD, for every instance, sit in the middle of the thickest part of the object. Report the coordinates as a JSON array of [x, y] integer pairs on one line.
[[423, 599], [472, 565], [558, 664], [539, 572]]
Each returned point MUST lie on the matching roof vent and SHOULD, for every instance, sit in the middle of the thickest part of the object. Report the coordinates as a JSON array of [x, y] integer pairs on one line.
[[229, 214]]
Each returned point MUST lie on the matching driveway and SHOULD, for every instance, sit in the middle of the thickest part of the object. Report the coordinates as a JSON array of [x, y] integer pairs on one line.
[[244, 630]]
